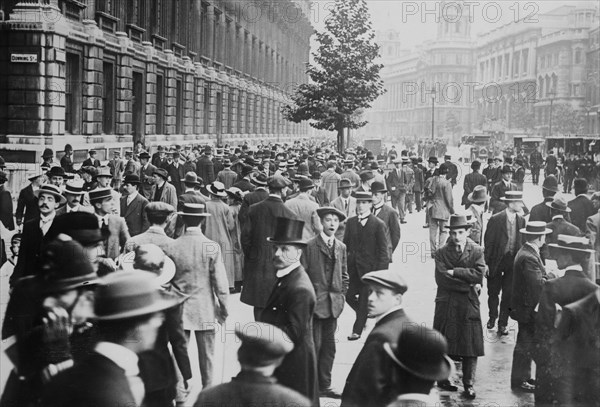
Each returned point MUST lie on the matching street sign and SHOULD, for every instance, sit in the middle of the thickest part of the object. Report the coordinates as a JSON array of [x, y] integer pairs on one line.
[[24, 58]]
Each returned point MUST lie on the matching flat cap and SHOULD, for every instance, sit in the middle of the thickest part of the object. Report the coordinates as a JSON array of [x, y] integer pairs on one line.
[[159, 207], [262, 344], [277, 182], [387, 278]]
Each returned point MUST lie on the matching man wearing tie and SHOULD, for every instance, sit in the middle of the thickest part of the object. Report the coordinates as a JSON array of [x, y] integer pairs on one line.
[[346, 204], [146, 174], [396, 183], [111, 225]]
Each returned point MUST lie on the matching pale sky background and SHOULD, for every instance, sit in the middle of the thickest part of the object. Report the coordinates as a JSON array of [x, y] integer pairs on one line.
[[419, 27]]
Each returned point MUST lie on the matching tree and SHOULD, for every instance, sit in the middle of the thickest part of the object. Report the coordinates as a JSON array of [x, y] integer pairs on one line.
[[344, 77], [452, 124], [566, 120], [522, 117]]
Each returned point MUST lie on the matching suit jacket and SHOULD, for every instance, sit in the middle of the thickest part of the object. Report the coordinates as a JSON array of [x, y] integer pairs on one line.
[[372, 381], [496, 238], [290, 307], [154, 235], [176, 174], [320, 196], [200, 273], [27, 205], [389, 216], [135, 214], [529, 276], [88, 162], [227, 176], [350, 211], [498, 191], [306, 210], [251, 389], [6, 209], [117, 168], [259, 271], [441, 206], [419, 179], [256, 196], [67, 164], [541, 212], [32, 243], [119, 234], [367, 246], [330, 285], [397, 183], [205, 169], [168, 195], [472, 180], [146, 180], [581, 209], [96, 381], [560, 226]]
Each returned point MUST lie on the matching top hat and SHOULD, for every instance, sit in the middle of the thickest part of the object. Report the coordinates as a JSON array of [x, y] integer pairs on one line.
[[150, 257], [65, 266], [217, 188], [550, 183], [194, 209], [56, 171], [366, 175], [575, 243], [535, 228], [458, 221], [305, 184], [433, 160], [559, 203], [74, 188], [191, 178], [421, 351], [345, 183], [129, 294], [52, 190], [99, 194], [103, 171], [132, 179], [288, 231], [363, 196], [326, 210], [82, 227], [161, 172], [512, 196], [378, 187], [48, 153], [144, 154], [479, 194], [387, 278], [258, 179], [262, 344]]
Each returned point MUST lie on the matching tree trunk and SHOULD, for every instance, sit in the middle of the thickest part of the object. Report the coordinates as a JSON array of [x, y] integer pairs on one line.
[[340, 139]]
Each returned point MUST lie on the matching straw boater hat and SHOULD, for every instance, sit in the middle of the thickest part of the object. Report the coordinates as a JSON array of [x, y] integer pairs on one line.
[[194, 209], [363, 196], [535, 228], [50, 189], [288, 231], [512, 196], [74, 187], [574, 243], [99, 194]]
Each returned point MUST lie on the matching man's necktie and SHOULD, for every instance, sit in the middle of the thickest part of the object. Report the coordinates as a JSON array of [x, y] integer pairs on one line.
[[346, 205]]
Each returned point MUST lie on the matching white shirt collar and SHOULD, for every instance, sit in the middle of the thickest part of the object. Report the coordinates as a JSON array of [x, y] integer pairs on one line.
[[132, 196], [120, 355], [189, 190], [575, 267], [422, 398], [326, 238], [158, 229], [48, 218], [275, 196], [558, 217], [193, 228], [511, 215], [396, 308], [100, 218], [379, 206], [287, 270]]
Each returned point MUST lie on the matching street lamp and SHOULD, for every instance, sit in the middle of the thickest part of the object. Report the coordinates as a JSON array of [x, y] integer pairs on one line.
[[552, 93]]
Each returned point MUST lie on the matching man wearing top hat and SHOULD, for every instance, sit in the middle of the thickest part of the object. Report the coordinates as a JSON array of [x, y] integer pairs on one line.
[[529, 276], [104, 177], [346, 204], [559, 225], [387, 214], [370, 382], [113, 225], [572, 256], [459, 270], [129, 312], [367, 245], [290, 307], [477, 200], [74, 194], [91, 161], [305, 208], [262, 351], [499, 190], [397, 185], [132, 206], [27, 205], [162, 190], [200, 273], [325, 262], [146, 175], [502, 241], [581, 206]]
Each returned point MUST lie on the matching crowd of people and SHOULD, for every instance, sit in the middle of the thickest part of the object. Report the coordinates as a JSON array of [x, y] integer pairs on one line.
[[120, 263]]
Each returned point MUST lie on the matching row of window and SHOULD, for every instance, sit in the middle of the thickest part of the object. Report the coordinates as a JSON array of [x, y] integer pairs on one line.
[[552, 60], [500, 67]]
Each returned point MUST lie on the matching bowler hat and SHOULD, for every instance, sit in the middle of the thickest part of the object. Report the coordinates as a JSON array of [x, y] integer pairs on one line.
[[159, 208], [82, 227], [132, 179], [535, 228], [52, 190], [559, 203], [191, 178], [478, 195], [99, 194], [575, 243], [421, 351], [305, 184], [374, 166], [129, 294], [345, 183], [378, 187], [288, 231], [363, 196], [506, 169], [458, 221], [103, 171], [74, 187], [56, 172], [387, 278], [48, 153], [326, 210], [65, 266], [194, 209], [433, 160], [161, 172], [366, 175], [144, 154], [550, 183], [512, 196], [217, 188], [262, 344], [258, 179]]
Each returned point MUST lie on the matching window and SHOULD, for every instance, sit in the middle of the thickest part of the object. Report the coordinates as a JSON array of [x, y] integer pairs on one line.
[[206, 109], [248, 113], [73, 94], [458, 59], [230, 112], [219, 118], [239, 113], [179, 107], [555, 59], [516, 62], [499, 68], [108, 97], [578, 56], [525, 59], [576, 90], [160, 104], [205, 34]]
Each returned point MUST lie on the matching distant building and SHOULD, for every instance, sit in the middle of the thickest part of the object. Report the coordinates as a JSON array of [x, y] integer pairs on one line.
[[592, 84]]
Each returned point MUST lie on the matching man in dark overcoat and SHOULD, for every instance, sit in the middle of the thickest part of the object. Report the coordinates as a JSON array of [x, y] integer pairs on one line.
[[370, 382], [529, 275], [325, 262], [459, 270], [387, 214], [259, 272], [499, 190], [541, 211], [27, 203], [559, 225], [290, 307], [367, 246], [581, 206], [502, 241], [471, 181]]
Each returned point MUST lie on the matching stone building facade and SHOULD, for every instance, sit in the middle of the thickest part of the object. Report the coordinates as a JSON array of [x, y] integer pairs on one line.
[[105, 74], [592, 85]]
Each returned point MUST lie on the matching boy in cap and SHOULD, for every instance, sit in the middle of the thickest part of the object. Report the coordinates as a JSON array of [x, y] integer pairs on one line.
[[325, 263], [262, 351], [459, 270], [370, 381]]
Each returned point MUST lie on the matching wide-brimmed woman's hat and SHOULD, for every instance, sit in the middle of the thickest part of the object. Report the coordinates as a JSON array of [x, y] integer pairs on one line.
[[217, 188], [512, 196], [459, 221], [193, 209], [535, 228], [150, 257], [258, 178], [50, 189], [421, 351], [559, 203], [479, 194], [288, 231], [574, 243], [128, 294]]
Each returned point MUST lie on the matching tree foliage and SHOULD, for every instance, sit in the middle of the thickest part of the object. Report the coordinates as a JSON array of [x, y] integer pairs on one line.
[[522, 117], [452, 124], [344, 78], [566, 120]]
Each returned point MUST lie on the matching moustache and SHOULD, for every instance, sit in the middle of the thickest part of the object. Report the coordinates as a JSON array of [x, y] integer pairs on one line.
[[45, 206]]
